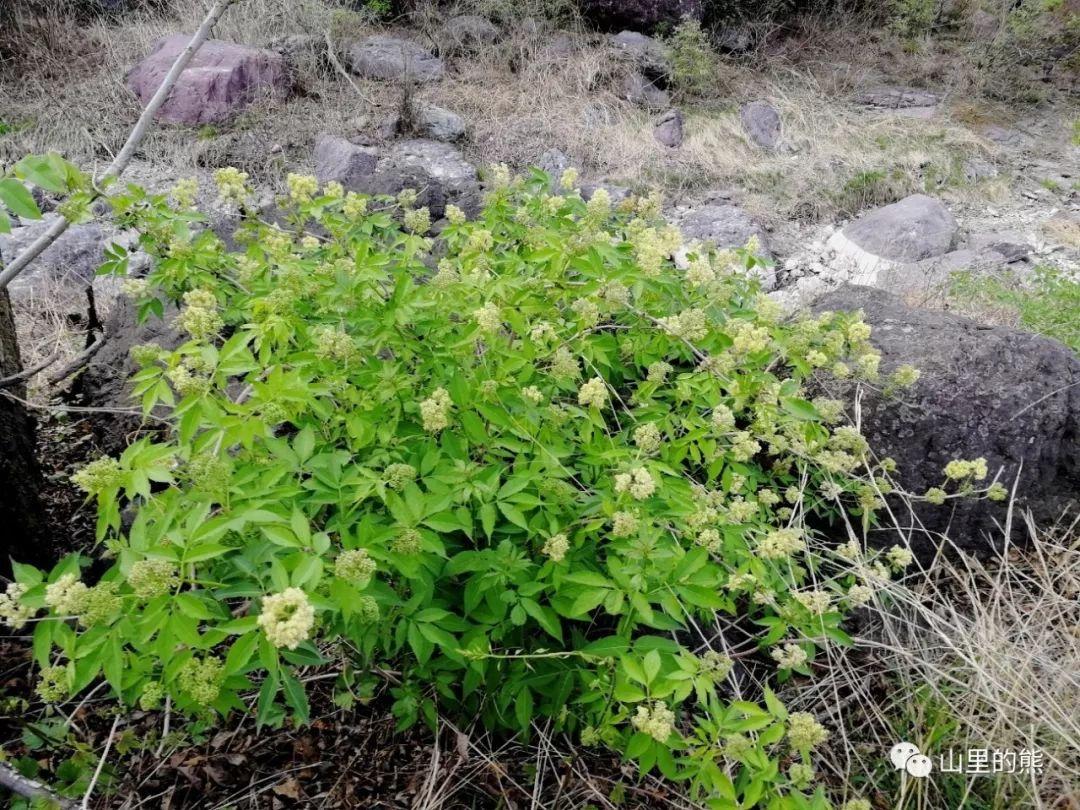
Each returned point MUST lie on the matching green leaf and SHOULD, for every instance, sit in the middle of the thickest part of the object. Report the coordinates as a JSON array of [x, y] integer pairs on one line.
[[800, 408], [296, 697], [15, 196], [513, 514]]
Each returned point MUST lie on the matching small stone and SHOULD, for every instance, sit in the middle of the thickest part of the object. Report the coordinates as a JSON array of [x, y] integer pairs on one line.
[[341, 161], [761, 122], [394, 60], [669, 129], [437, 123]]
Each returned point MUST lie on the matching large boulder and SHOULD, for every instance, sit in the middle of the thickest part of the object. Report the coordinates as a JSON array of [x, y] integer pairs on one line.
[[639, 15], [436, 170], [913, 230], [394, 60], [437, 123], [644, 92], [221, 79], [989, 392], [668, 129]]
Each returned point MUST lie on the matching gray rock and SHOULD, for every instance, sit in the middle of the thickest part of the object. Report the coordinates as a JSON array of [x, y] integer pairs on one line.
[[724, 225], [648, 55], [72, 259], [432, 121], [893, 97], [639, 90], [761, 122], [434, 169], [467, 33], [976, 169], [1001, 135], [1011, 246], [345, 162], [394, 60], [1001, 394], [554, 162], [916, 228], [669, 129], [595, 115], [221, 79], [559, 47]]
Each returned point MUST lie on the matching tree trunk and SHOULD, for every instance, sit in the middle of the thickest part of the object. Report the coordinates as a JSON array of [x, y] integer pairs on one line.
[[23, 535]]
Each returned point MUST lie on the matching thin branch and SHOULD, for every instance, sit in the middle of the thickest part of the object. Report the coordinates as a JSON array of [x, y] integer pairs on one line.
[[127, 152], [332, 56], [27, 373], [17, 783], [100, 765], [77, 362]]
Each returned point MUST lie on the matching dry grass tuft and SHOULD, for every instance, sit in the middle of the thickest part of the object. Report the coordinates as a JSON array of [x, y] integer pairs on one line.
[[982, 655]]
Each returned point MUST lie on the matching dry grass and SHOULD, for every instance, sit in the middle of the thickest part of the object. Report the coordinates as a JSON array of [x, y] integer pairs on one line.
[[970, 654], [520, 99]]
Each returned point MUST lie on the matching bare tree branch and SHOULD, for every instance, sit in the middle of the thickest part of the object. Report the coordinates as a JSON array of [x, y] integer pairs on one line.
[[124, 156], [28, 788], [78, 361]]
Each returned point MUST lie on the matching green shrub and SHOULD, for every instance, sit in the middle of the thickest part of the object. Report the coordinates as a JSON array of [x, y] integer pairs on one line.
[[524, 480], [913, 18], [694, 65]]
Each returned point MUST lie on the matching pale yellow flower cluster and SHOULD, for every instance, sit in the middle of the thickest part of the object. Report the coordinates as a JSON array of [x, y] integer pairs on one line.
[[624, 524], [151, 578], [593, 393], [568, 180], [67, 595], [100, 475], [789, 656], [12, 612], [200, 317], [398, 475], [202, 679], [781, 543], [302, 187], [355, 205], [533, 394], [599, 205], [587, 311], [231, 184], [658, 372], [334, 344], [690, 324], [556, 547], [899, 557], [435, 411], [658, 721], [653, 246], [710, 540], [287, 618], [747, 338], [805, 732], [454, 215], [860, 594], [648, 437], [184, 192], [817, 602], [959, 469], [355, 566], [639, 483], [418, 220]]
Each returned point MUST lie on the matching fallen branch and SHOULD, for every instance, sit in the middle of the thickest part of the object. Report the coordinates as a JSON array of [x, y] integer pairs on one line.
[[27, 373], [332, 56], [127, 152], [28, 788], [80, 360]]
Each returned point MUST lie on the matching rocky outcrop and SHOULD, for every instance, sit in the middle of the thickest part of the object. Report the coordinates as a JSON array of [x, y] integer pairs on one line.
[[394, 60], [436, 170], [1008, 396], [761, 123], [639, 15], [221, 79], [437, 123], [644, 92], [909, 101]]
